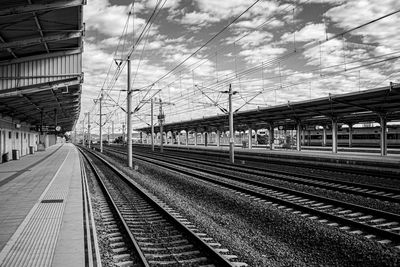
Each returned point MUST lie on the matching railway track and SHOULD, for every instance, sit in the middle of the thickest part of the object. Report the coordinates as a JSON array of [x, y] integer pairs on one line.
[[160, 235], [365, 190], [287, 160], [384, 227]]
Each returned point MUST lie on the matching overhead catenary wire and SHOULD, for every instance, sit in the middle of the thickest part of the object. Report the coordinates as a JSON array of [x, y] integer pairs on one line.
[[250, 71]]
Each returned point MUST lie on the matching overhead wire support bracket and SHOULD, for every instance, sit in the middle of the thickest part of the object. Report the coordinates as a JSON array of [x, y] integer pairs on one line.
[[213, 101]]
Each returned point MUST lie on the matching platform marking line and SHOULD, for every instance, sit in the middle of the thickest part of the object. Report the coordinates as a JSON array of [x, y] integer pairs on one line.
[[34, 246]]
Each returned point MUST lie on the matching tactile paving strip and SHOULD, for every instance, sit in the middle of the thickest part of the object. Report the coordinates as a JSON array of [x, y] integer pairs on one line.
[[34, 242]]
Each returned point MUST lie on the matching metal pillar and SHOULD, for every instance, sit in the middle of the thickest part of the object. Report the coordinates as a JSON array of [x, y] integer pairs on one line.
[[205, 139], [161, 128], [152, 124], [83, 132], [101, 123], [250, 137], [112, 130], [298, 136], [89, 137], [179, 138], [187, 137], [129, 120], [383, 141], [123, 134], [334, 136], [350, 135], [324, 136], [218, 138], [271, 136], [195, 138], [231, 132]]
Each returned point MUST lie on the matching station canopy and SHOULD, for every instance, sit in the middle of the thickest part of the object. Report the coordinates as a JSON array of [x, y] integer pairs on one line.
[[364, 106], [41, 61]]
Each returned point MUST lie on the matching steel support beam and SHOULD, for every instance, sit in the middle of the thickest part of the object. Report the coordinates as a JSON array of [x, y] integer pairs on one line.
[[77, 50], [51, 5], [41, 40]]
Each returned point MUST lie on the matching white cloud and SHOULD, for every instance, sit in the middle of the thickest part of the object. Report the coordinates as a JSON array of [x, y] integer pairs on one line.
[[169, 4], [108, 19], [259, 54], [198, 19], [309, 32], [354, 13], [232, 8]]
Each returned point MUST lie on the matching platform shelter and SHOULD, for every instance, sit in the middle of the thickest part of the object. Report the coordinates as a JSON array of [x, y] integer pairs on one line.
[[380, 105], [40, 73]]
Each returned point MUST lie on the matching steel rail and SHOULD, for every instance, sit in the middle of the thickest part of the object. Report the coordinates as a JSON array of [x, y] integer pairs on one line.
[[189, 170], [211, 253]]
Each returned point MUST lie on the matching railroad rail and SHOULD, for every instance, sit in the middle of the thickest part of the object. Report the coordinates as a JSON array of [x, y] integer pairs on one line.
[[160, 235], [382, 226], [287, 159], [309, 179]]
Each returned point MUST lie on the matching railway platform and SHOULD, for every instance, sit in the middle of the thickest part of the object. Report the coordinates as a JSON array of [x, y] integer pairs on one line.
[[42, 216]]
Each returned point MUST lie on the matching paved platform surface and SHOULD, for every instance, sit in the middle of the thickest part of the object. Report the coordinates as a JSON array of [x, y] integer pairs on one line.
[[41, 209]]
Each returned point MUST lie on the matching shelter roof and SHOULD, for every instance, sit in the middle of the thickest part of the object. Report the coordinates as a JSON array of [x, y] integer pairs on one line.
[[355, 107], [39, 78]]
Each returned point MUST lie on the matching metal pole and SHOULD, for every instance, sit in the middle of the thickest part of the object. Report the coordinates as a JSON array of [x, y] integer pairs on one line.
[[108, 135], [161, 128], [112, 129], [101, 123], [83, 131], [383, 140], [152, 125], [231, 134], [89, 137], [123, 134], [129, 101]]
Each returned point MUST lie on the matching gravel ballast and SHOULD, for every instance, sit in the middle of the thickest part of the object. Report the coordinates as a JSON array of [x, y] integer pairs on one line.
[[261, 234]]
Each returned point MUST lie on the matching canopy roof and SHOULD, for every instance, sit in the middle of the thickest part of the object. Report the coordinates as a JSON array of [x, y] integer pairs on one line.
[[40, 61], [356, 107]]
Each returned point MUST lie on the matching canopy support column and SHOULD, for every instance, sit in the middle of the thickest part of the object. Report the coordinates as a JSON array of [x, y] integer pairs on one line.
[[350, 135], [271, 136], [334, 136], [383, 140], [298, 136], [218, 138], [324, 136], [250, 137]]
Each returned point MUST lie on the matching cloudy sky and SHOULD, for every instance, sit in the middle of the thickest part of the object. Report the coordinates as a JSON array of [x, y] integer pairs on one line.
[[275, 52]]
